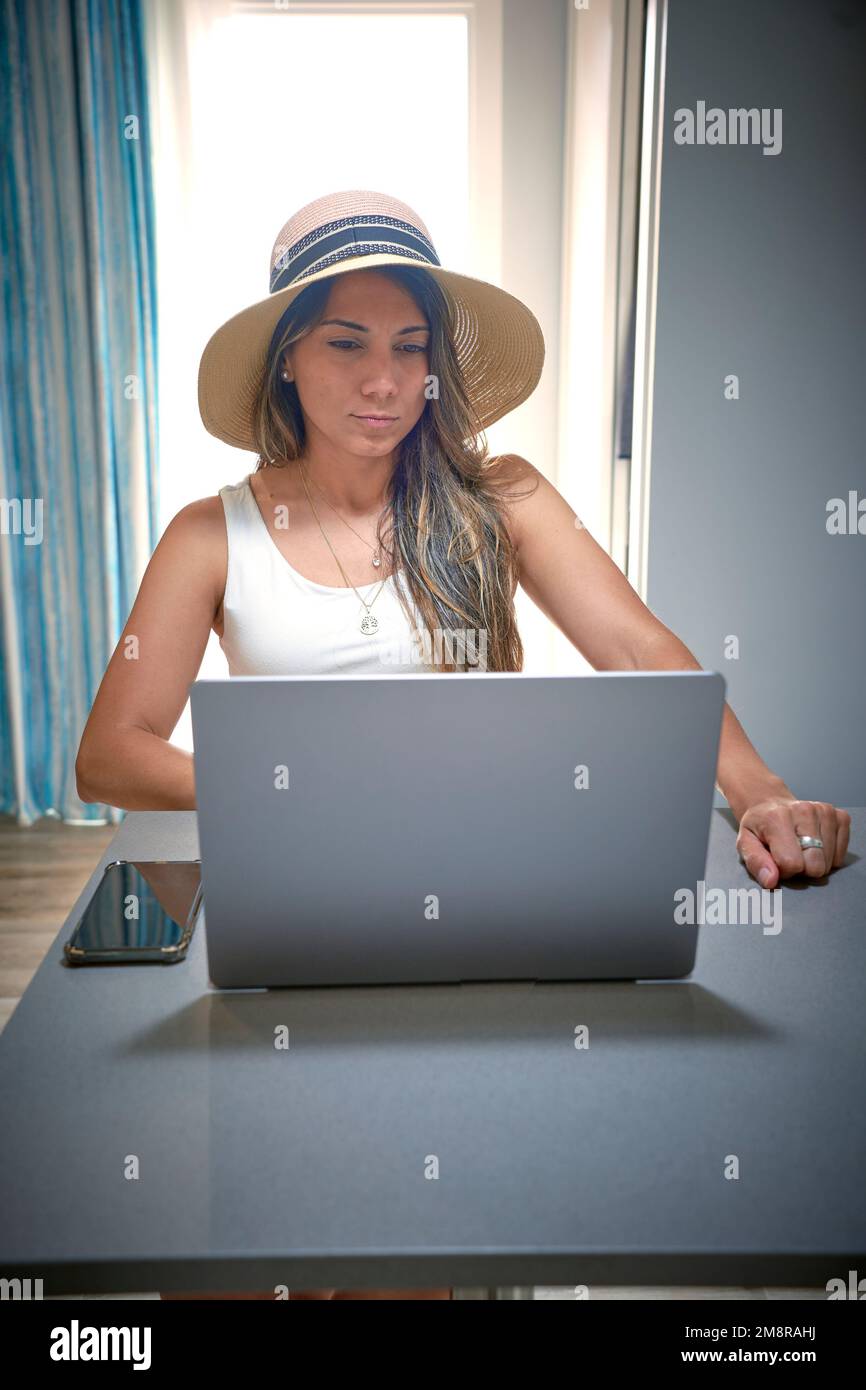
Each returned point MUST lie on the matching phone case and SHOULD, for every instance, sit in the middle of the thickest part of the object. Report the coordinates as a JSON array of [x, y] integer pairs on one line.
[[130, 955]]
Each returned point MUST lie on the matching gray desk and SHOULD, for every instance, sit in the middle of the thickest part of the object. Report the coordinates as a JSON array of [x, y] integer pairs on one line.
[[556, 1165]]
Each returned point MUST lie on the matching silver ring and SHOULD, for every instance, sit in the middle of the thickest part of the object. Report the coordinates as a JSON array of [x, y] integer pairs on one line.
[[810, 842]]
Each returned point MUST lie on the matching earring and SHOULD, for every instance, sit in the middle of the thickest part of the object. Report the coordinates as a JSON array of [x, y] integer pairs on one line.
[[285, 376]]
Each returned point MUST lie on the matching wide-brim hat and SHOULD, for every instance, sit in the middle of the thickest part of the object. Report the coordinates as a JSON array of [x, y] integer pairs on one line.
[[497, 339]]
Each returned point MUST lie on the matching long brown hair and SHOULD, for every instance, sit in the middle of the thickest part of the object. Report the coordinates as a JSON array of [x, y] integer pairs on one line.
[[450, 548]]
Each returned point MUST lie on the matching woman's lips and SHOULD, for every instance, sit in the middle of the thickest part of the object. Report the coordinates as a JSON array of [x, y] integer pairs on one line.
[[373, 422]]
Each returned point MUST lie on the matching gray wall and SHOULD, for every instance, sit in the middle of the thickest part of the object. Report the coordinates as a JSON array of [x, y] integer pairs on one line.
[[761, 273]]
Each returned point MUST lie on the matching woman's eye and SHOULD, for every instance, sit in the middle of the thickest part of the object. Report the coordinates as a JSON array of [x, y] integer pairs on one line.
[[342, 343]]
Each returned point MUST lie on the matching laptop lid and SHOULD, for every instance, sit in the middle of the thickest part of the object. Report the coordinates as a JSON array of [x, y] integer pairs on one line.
[[429, 827]]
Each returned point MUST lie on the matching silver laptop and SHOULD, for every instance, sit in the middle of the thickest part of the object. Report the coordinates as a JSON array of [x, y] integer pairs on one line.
[[477, 826]]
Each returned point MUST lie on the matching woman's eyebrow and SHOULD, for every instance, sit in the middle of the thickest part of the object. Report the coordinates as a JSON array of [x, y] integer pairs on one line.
[[347, 323]]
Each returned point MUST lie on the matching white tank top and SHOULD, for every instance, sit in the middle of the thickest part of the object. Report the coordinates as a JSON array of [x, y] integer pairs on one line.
[[277, 623]]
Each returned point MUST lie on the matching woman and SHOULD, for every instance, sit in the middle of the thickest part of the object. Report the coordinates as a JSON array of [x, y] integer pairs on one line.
[[374, 516]]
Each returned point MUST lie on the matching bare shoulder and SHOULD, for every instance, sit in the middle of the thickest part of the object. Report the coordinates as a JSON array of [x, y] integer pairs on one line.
[[200, 523], [510, 472], [521, 489], [196, 540], [204, 514]]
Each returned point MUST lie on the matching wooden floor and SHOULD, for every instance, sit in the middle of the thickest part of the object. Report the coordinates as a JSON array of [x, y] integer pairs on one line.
[[43, 869]]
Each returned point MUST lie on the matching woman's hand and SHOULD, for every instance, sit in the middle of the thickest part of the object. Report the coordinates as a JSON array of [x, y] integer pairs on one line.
[[768, 845]]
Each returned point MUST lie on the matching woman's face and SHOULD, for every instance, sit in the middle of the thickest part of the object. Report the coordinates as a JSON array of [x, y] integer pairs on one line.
[[374, 362]]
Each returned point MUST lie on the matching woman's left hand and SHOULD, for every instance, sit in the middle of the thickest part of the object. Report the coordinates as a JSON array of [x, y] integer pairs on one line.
[[768, 845]]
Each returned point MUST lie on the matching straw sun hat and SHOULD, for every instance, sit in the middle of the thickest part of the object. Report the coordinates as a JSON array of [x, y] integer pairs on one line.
[[498, 341]]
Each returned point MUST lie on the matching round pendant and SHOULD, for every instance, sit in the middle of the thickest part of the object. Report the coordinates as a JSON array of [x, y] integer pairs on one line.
[[376, 561], [369, 624]]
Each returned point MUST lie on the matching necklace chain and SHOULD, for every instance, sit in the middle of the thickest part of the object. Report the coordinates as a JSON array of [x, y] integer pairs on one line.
[[369, 624], [375, 548]]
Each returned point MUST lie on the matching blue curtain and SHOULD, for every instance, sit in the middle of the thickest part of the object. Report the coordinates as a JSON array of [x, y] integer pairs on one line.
[[78, 392]]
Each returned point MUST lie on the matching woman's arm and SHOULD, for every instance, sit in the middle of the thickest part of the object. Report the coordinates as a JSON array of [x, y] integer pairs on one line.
[[577, 585], [124, 758]]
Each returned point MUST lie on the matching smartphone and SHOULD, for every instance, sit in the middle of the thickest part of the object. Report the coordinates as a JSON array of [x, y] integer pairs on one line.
[[141, 911]]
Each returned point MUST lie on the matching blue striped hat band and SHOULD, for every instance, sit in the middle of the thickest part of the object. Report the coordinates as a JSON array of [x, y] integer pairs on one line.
[[365, 234]]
